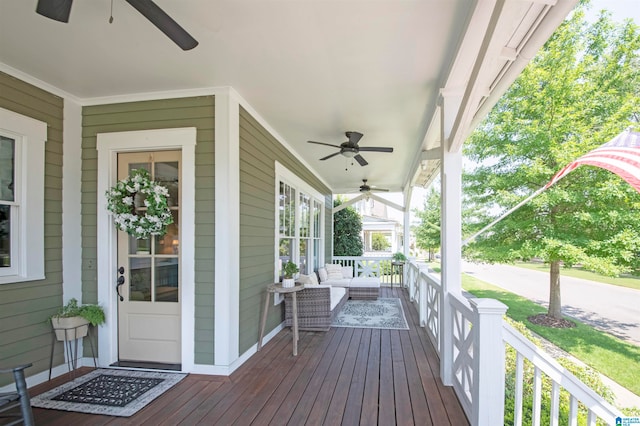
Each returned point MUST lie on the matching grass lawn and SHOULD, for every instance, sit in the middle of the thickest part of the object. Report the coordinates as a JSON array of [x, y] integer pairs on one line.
[[626, 281], [609, 355]]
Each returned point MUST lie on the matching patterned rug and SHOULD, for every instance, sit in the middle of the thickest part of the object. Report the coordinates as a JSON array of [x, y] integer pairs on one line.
[[109, 392], [382, 313]]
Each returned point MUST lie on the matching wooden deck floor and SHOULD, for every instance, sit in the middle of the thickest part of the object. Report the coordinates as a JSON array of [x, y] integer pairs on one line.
[[344, 376]]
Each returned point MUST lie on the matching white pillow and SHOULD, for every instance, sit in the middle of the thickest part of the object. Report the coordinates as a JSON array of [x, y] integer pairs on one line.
[[323, 274], [347, 272], [304, 279], [307, 280], [334, 271]]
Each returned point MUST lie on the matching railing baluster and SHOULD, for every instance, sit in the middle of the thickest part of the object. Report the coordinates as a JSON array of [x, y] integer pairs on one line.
[[537, 396], [555, 403], [573, 411], [517, 414], [591, 418]]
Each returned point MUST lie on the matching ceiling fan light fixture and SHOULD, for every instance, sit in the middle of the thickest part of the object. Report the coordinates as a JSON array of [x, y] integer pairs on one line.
[[348, 153]]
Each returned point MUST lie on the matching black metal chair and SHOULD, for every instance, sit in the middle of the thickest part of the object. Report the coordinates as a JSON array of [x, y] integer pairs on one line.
[[10, 402]]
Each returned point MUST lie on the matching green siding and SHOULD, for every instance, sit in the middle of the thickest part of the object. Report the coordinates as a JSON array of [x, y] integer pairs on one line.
[[259, 151], [184, 112], [24, 307]]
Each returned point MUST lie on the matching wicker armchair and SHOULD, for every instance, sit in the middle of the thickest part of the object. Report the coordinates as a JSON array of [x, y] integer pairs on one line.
[[314, 308]]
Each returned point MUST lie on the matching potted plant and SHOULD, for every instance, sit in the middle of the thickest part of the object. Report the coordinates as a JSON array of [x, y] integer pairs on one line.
[[289, 269], [399, 257], [72, 320]]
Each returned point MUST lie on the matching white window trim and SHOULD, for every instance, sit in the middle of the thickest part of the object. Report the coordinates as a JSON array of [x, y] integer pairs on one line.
[[285, 175], [30, 136]]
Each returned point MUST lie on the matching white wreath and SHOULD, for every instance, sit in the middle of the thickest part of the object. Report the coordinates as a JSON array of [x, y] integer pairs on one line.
[[121, 202]]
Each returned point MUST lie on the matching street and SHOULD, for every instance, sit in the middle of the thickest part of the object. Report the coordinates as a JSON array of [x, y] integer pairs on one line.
[[612, 309]]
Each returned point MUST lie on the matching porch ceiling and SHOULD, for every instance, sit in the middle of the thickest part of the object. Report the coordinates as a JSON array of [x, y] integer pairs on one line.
[[311, 69]]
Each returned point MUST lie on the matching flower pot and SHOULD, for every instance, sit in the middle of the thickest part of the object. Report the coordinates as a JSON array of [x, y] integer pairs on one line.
[[70, 328], [288, 282]]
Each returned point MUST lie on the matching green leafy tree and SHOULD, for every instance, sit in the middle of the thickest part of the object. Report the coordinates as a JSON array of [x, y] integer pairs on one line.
[[580, 91], [347, 226], [379, 242], [428, 231]]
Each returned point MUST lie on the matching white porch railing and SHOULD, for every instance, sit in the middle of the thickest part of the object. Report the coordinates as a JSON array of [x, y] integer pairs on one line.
[[371, 267], [479, 339]]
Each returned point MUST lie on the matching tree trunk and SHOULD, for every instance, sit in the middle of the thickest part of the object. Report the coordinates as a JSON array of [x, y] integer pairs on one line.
[[555, 303]]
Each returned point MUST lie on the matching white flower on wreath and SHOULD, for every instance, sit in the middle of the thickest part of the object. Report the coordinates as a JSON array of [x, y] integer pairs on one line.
[[121, 202]]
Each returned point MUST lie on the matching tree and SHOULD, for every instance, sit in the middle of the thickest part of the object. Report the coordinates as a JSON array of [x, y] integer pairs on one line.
[[428, 231], [347, 226], [379, 242], [580, 91]]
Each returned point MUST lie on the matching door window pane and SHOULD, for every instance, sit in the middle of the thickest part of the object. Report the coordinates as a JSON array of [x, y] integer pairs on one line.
[[170, 243], [140, 277], [166, 174], [166, 279]]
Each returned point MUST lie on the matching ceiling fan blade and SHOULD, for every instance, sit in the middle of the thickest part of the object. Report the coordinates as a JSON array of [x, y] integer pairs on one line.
[[376, 149], [379, 189], [361, 160], [329, 156], [164, 23], [354, 137], [58, 10], [327, 144]]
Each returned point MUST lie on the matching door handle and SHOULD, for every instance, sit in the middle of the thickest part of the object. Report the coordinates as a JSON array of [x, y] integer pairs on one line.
[[120, 282]]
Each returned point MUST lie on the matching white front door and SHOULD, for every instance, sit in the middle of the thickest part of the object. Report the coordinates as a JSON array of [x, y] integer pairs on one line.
[[149, 317]]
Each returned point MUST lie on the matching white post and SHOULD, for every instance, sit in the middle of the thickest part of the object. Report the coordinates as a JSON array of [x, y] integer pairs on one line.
[[451, 228], [227, 189], [487, 395], [451, 240]]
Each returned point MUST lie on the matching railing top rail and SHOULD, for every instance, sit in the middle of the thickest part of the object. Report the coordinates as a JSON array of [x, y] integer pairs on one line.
[[559, 374]]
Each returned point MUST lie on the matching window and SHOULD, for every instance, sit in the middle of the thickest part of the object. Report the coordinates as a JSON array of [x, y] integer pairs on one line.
[[22, 142], [299, 217]]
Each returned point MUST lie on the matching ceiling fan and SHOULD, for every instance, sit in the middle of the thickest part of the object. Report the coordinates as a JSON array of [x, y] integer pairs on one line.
[[350, 148], [59, 10], [364, 188]]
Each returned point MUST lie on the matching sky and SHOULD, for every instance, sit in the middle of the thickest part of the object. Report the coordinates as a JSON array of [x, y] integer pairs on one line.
[[620, 9]]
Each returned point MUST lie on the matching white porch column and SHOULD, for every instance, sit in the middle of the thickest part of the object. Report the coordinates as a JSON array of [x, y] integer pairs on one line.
[[406, 231], [451, 231], [227, 229], [71, 203], [488, 363]]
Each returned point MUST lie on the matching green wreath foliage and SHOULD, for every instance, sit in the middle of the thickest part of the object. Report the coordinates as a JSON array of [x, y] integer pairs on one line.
[[140, 224]]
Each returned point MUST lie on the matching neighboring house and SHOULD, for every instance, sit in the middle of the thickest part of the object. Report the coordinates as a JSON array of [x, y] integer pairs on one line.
[[376, 220], [246, 198]]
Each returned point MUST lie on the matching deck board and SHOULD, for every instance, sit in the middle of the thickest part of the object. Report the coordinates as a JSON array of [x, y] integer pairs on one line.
[[344, 376]]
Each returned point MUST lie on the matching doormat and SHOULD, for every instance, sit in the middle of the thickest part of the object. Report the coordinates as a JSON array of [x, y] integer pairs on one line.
[[386, 313], [108, 392]]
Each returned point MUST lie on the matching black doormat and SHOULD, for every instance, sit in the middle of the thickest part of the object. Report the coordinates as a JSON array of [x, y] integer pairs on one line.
[[108, 392]]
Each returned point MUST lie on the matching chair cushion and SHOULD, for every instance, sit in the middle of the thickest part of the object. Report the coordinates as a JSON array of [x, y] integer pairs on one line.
[[347, 272], [322, 273], [334, 271], [336, 295]]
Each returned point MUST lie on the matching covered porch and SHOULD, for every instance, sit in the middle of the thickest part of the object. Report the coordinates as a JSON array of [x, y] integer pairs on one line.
[[344, 376]]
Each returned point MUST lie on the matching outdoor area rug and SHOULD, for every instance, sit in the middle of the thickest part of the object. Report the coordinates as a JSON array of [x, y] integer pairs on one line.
[[382, 313], [109, 392]]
